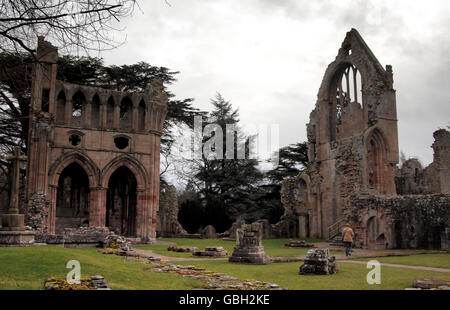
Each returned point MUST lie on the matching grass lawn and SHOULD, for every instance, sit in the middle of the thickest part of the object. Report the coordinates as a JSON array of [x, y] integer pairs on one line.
[[428, 260], [28, 267], [350, 277], [272, 247]]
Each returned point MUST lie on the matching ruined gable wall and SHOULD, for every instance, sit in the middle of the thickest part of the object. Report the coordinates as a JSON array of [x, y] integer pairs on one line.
[[338, 150]]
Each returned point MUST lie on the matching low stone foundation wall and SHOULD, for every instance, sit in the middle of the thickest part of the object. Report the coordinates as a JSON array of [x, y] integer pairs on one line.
[[86, 237]]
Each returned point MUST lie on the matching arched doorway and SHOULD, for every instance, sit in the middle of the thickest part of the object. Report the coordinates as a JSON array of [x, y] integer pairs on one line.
[[121, 202], [72, 198], [376, 238]]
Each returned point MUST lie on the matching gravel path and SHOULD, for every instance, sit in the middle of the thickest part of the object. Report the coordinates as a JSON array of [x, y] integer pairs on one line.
[[356, 253], [163, 258], [400, 266]]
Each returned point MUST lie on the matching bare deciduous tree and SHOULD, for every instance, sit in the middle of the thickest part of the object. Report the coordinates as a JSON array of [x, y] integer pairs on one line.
[[86, 25]]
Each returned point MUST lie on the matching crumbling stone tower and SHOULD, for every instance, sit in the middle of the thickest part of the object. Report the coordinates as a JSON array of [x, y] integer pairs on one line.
[[352, 136], [93, 156]]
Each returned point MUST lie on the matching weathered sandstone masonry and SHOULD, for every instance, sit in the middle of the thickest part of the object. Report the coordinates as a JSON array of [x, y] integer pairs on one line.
[[93, 156], [352, 174]]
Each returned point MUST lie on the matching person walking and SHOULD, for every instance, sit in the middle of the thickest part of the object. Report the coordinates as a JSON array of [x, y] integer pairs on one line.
[[347, 237]]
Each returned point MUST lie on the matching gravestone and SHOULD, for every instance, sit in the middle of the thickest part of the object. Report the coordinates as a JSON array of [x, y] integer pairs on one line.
[[209, 232], [249, 248], [319, 261]]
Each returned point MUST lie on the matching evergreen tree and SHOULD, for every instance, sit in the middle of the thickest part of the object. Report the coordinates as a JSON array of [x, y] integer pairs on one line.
[[15, 90], [226, 185], [292, 160]]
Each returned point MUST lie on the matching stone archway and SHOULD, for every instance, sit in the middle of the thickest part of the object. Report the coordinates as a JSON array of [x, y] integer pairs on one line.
[[376, 234], [121, 202], [72, 198], [92, 174]]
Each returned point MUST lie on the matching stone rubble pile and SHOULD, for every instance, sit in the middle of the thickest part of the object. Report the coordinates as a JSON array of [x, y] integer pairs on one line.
[[213, 280], [319, 261], [212, 251], [431, 283], [114, 241], [189, 249], [298, 244], [93, 283]]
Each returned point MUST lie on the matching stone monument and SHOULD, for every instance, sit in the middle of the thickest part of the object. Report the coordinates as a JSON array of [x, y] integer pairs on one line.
[[249, 248], [12, 230]]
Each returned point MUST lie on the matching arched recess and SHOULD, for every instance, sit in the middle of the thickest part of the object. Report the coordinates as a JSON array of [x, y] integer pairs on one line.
[[126, 113], [125, 160], [72, 198], [93, 176], [345, 88], [121, 202], [376, 160], [84, 161], [142, 209], [95, 112], [78, 107], [376, 235], [141, 115], [110, 112], [61, 108]]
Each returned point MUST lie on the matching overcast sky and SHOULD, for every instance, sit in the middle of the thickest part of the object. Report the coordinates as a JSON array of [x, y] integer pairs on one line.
[[268, 57]]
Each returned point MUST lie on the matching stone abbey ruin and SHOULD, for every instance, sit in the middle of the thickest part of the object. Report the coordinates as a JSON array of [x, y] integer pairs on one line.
[[93, 158], [93, 162], [353, 153]]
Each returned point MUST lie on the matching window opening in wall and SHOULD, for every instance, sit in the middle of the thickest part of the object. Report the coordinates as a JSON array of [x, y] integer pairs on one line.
[[78, 102], [75, 140], [121, 142]]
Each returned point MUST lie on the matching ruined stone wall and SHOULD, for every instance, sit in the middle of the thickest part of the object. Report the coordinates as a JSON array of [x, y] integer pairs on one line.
[[437, 174], [100, 131], [410, 221], [352, 134], [411, 178], [168, 225]]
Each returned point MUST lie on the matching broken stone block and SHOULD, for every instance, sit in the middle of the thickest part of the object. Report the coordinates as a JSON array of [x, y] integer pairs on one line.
[[319, 261], [182, 249], [212, 251], [431, 282], [299, 244], [249, 248]]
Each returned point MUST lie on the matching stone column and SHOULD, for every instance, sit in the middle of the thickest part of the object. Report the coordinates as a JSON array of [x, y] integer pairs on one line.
[[97, 207], [116, 122], [302, 225], [87, 114], [13, 220], [135, 118], [68, 112]]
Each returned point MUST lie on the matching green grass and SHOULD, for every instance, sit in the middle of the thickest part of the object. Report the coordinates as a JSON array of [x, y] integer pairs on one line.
[[272, 247], [428, 260], [350, 277], [28, 267]]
